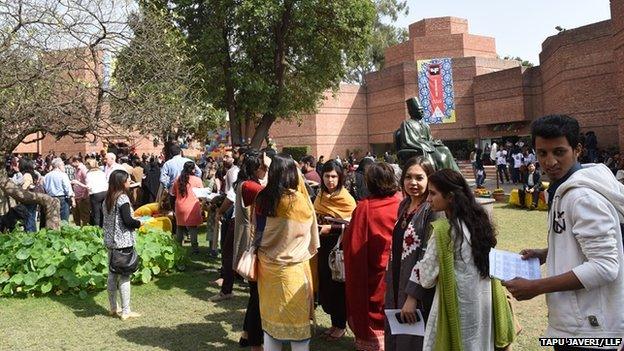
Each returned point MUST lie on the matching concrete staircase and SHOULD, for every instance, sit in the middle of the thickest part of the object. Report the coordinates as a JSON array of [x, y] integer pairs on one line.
[[466, 170]]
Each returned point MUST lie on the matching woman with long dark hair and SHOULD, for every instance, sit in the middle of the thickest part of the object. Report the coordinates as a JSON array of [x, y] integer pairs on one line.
[[29, 182], [187, 205], [456, 262], [286, 237], [366, 246], [252, 172], [409, 240], [151, 182], [332, 203], [119, 233], [359, 190]]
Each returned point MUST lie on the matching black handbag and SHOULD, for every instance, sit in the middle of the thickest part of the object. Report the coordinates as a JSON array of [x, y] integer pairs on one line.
[[124, 261]]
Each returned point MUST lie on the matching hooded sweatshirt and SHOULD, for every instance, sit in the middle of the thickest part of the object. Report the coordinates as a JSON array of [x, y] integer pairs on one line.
[[585, 236]]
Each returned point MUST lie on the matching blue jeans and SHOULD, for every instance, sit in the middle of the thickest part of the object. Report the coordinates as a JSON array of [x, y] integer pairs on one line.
[[480, 178], [30, 224], [64, 207]]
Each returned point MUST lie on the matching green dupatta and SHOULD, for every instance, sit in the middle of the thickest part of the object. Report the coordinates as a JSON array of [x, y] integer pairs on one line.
[[448, 332]]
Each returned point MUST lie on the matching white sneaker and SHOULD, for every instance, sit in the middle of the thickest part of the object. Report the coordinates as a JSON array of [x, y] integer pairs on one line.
[[130, 315]]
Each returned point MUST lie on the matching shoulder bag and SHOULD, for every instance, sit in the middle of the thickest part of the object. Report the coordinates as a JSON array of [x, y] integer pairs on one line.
[[247, 267], [336, 262], [124, 261]]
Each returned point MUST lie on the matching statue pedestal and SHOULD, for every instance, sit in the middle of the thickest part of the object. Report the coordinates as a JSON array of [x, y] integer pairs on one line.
[[487, 204]]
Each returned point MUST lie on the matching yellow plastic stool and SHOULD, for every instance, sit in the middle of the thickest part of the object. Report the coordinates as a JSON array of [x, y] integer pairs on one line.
[[146, 210], [162, 223], [514, 198]]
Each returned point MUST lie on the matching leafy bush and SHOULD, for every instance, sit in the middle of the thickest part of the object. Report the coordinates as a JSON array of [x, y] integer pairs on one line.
[[297, 152], [75, 260]]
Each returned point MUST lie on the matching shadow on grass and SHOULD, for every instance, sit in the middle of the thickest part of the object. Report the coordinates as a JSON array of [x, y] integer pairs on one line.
[[82, 308], [198, 280], [192, 336]]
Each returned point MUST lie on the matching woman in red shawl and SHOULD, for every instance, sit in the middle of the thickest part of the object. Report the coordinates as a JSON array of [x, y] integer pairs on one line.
[[366, 247]]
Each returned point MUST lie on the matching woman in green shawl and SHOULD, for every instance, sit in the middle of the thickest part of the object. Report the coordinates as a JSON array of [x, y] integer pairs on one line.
[[456, 262]]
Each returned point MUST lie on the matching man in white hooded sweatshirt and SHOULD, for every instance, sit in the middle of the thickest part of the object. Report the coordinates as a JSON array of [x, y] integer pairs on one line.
[[584, 285]]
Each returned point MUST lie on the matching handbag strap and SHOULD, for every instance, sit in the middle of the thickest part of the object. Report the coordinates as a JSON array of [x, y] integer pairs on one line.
[[337, 246]]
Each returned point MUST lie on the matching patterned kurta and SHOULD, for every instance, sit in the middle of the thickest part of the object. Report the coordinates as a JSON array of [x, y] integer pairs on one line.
[[408, 247], [116, 234]]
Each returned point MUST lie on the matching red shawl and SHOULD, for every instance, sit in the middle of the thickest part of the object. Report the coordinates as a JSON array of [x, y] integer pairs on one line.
[[366, 245]]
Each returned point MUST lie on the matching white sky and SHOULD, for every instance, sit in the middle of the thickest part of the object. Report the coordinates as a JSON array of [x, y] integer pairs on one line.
[[519, 27]]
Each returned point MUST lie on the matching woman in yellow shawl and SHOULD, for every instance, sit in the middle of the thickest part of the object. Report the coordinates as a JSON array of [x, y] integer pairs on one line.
[[286, 237], [335, 202]]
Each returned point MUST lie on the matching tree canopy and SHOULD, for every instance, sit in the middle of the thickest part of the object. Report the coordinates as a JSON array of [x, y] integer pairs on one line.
[[52, 77], [264, 60], [523, 62], [157, 90], [384, 35]]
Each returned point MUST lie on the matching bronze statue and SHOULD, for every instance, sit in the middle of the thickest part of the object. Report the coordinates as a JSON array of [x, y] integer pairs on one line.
[[413, 138]]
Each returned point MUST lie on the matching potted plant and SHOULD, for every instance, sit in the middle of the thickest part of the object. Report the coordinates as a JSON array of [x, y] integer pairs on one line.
[[482, 192], [499, 195]]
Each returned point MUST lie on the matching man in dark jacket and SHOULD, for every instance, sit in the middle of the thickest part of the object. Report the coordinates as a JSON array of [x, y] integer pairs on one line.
[[532, 185]]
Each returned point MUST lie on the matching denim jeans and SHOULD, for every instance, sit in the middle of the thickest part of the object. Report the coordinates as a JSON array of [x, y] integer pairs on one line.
[[64, 207], [30, 224], [480, 179]]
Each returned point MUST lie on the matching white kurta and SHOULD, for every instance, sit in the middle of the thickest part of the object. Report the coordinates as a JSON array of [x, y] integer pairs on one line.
[[473, 292]]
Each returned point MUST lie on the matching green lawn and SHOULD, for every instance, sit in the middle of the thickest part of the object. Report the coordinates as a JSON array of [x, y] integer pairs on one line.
[[177, 315]]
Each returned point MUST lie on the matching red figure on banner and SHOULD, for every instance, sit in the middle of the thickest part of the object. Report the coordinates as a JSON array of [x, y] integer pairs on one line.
[[436, 90]]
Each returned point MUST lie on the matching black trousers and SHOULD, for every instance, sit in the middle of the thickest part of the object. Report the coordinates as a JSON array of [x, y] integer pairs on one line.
[[174, 223], [227, 253], [331, 293], [97, 216], [534, 199], [253, 324]]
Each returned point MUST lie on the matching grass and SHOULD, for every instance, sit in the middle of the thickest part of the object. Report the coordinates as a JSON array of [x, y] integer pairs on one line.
[[177, 315]]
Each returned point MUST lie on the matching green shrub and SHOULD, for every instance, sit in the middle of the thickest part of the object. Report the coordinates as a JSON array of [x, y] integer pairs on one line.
[[297, 152], [75, 260]]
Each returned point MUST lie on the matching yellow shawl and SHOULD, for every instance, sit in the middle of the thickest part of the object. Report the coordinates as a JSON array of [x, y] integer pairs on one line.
[[292, 235], [337, 205]]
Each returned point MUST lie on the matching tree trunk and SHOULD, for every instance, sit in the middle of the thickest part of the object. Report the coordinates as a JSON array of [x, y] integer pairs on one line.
[[279, 61], [50, 205], [230, 97], [262, 130]]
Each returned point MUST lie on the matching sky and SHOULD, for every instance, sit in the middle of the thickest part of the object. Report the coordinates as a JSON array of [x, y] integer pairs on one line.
[[519, 27]]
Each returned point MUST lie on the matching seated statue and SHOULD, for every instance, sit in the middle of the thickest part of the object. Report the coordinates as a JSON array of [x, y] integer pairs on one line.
[[413, 138]]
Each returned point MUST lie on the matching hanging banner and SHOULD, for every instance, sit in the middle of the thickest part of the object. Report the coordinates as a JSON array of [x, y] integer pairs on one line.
[[435, 90]]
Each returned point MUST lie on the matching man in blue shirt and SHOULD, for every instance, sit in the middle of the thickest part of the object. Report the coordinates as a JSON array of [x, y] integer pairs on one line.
[[170, 172], [173, 167], [57, 184]]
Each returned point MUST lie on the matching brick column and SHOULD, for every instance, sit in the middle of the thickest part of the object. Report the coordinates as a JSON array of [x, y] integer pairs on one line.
[[617, 20]]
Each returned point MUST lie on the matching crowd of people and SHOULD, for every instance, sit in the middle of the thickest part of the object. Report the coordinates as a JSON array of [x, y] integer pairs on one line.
[[357, 240]]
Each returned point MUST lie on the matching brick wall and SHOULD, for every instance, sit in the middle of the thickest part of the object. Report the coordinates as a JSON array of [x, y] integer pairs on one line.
[[440, 37], [577, 68], [387, 91], [339, 125], [498, 97], [438, 26], [617, 22]]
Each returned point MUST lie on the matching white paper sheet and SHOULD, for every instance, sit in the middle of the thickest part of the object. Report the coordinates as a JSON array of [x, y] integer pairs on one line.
[[505, 265], [396, 328], [205, 193]]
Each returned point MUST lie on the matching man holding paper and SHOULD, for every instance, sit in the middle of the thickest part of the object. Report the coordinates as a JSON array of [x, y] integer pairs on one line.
[[584, 286]]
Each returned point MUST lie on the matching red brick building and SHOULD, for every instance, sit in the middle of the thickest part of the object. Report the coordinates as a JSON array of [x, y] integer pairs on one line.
[[581, 73]]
